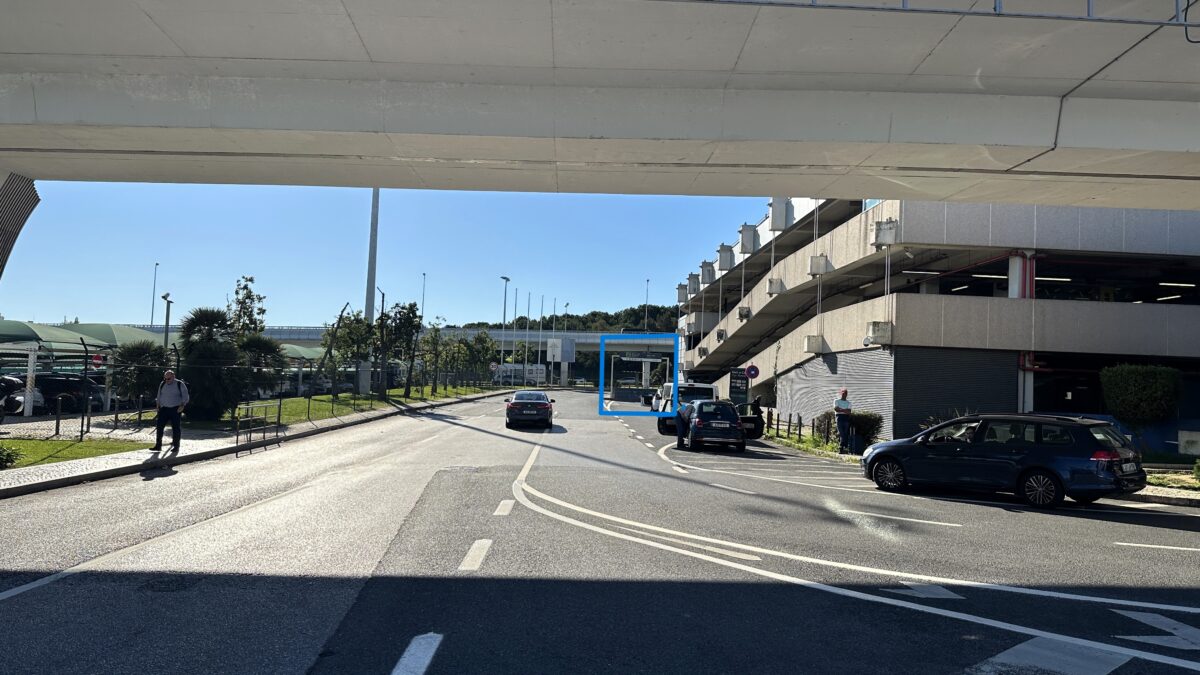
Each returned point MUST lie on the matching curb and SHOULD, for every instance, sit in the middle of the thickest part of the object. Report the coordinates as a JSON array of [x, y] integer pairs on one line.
[[1160, 499], [54, 483]]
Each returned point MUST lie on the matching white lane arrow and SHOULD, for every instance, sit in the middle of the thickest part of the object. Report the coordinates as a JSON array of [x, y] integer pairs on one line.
[[1182, 636], [925, 591]]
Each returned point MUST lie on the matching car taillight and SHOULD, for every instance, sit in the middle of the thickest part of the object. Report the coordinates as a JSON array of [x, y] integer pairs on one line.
[[512, 405], [543, 405], [699, 422], [1106, 455]]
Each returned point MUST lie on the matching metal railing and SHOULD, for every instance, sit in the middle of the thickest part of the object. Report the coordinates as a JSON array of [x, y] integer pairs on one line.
[[256, 416]]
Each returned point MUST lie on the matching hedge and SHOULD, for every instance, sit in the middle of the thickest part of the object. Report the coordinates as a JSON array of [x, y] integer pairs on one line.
[[1141, 395]]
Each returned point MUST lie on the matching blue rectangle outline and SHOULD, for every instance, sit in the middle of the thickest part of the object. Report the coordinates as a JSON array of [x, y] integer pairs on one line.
[[674, 375]]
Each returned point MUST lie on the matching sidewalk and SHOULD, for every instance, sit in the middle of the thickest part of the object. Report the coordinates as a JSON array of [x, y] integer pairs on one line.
[[197, 445]]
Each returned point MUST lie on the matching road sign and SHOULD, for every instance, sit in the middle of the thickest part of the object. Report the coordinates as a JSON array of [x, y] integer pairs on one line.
[[752, 371], [97, 360], [739, 386]]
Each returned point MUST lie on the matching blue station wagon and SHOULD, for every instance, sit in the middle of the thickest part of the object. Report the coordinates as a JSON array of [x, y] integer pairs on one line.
[[1040, 458]]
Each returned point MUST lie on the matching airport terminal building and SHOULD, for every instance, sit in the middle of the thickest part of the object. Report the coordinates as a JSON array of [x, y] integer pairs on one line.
[[925, 309]]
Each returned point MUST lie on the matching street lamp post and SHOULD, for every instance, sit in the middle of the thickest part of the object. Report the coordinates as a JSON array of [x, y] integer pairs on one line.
[[154, 294], [646, 316], [503, 326], [167, 322]]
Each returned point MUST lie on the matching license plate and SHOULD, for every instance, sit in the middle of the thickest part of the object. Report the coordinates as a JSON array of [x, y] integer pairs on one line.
[[530, 412], [720, 425], [1129, 467]]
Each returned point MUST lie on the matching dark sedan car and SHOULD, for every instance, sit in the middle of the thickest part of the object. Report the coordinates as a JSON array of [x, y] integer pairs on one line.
[[529, 407], [1041, 458], [715, 422]]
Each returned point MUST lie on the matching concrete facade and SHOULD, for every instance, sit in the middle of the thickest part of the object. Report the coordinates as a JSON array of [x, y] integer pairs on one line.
[[616, 96]]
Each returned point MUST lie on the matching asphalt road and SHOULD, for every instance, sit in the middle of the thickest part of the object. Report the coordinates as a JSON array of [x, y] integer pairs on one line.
[[445, 543]]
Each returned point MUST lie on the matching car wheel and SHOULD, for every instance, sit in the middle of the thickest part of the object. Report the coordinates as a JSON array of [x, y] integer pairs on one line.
[[889, 475], [1041, 489], [692, 443], [507, 424]]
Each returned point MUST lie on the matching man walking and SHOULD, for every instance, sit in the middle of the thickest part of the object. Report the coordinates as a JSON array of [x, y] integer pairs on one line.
[[841, 412], [680, 426], [171, 400]]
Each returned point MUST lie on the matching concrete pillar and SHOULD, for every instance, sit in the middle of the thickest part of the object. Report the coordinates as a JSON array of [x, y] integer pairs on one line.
[[364, 367], [645, 374], [30, 367], [1016, 276], [930, 287]]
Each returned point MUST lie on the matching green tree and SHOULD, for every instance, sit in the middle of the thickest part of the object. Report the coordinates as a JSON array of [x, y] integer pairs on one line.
[[432, 344], [138, 369], [352, 340], [1141, 395], [247, 315], [212, 364], [263, 359], [204, 324]]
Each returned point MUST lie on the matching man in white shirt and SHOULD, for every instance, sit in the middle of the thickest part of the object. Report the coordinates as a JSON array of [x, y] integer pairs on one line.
[[172, 398], [841, 414]]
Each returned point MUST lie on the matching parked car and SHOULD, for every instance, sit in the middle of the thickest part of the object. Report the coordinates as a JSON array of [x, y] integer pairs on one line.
[[12, 397], [1040, 458], [714, 422], [688, 391], [529, 406], [73, 390]]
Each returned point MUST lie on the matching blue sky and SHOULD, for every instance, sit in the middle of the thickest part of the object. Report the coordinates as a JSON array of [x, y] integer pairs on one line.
[[89, 249]]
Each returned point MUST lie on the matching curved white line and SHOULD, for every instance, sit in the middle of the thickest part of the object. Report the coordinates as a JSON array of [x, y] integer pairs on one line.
[[519, 489]]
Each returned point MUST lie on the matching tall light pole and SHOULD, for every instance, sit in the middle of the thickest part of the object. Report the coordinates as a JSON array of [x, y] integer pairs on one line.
[[503, 326], [153, 295], [383, 356], [422, 297], [646, 318], [541, 325], [564, 369], [167, 323], [528, 311]]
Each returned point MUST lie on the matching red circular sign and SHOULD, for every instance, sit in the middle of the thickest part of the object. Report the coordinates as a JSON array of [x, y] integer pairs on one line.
[[97, 360]]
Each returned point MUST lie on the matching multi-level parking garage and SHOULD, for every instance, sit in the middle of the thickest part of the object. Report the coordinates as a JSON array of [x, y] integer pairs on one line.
[[987, 307]]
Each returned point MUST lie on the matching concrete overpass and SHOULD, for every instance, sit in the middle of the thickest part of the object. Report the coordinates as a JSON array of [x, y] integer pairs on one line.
[[585, 341], [952, 102]]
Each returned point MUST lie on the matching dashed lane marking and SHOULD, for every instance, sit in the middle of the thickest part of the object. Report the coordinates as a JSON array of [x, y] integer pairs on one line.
[[640, 438], [911, 520], [931, 591], [475, 555], [650, 445], [1172, 548], [418, 655], [504, 508]]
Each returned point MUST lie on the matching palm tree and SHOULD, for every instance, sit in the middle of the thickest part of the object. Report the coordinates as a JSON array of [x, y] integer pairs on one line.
[[205, 324]]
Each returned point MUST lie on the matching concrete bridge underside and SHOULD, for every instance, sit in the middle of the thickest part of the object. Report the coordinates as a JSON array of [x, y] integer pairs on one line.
[[618, 96]]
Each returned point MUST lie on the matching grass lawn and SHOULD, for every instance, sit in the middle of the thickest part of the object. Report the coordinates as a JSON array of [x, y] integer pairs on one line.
[[809, 445], [1179, 481], [325, 406], [37, 452]]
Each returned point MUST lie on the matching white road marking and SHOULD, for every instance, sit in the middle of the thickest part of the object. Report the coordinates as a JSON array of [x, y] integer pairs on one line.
[[726, 487], [418, 655], [713, 549], [1182, 635], [679, 469], [911, 520], [640, 438], [886, 532], [520, 489], [650, 445], [946, 581], [1173, 548], [475, 555], [1044, 655], [505, 507], [932, 591]]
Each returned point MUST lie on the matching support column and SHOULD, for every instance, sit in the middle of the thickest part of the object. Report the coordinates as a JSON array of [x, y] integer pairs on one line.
[[364, 367], [30, 368], [645, 374]]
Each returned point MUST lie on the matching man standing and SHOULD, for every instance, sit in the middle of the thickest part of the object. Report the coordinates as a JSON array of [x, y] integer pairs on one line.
[[171, 400], [841, 412], [680, 426]]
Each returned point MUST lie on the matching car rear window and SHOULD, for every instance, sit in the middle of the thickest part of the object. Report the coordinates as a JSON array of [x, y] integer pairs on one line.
[[717, 411], [1054, 434], [529, 396], [1108, 436], [693, 393]]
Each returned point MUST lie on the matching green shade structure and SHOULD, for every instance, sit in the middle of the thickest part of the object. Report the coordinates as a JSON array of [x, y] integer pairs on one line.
[[115, 334], [52, 338]]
